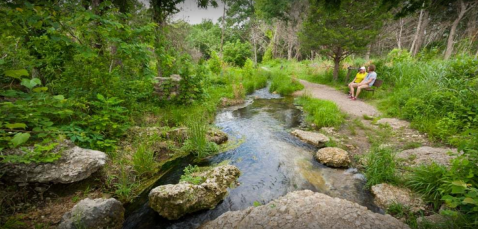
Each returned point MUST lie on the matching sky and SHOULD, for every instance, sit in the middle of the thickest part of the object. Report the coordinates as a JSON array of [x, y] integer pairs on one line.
[[191, 13]]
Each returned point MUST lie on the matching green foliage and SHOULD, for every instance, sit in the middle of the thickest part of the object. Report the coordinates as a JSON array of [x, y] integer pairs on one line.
[[283, 84], [39, 154], [197, 141], [322, 113], [144, 159], [214, 63], [267, 55], [380, 166], [399, 55], [189, 175], [426, 180], [237, 53]]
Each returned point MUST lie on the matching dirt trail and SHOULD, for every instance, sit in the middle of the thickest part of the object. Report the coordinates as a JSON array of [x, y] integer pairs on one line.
[[355, 108]]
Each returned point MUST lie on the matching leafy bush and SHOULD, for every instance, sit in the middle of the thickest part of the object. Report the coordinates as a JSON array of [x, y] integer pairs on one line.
[[237, 53], [380, 166], [399, 55], [214, 63], [322, 113]]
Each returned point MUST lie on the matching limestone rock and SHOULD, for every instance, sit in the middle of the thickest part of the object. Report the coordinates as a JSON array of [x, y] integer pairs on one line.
[[316, 139], [386, 195], [394, 123], [174, 201], [427, 155], [95, 214], [334, 157], [305, 209], [216, 136], [74, 165]]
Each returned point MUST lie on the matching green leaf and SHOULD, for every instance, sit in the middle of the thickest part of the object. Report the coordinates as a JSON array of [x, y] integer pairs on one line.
[[459, 183], [100, 97], [457, 190], [59, 97], [469, 200], [15, 125], [40, 89], [257, 204], [2, 61], [17, 74], [31, 83], [20, 138]]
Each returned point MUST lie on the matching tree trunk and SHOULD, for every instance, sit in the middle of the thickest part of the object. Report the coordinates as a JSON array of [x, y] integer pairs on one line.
[[222, 32], [418, 30], [399, 35], [274, 48], [462, 12], [336, 68], [367, 54], [255, 47], [421, 34]]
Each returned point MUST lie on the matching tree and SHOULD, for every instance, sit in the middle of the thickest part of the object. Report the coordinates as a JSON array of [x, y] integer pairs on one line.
[[463, 8], [339, 33]]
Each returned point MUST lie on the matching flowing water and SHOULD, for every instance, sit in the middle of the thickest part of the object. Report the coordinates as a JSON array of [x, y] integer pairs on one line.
[[272, 163]]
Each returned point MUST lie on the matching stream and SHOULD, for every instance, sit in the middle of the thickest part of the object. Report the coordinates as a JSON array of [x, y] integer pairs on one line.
[[271, 160]]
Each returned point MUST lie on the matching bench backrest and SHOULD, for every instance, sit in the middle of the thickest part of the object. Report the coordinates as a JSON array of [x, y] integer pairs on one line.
[[378, 83]]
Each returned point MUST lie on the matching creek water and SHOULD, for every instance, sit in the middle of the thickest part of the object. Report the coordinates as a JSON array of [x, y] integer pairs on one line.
[[272, 163]]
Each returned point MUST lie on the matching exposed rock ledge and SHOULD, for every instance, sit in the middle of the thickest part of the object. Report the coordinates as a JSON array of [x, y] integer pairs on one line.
[[174, 201], [427, 155], [386, 195], [316, 139], [74, 165], [306, 209]]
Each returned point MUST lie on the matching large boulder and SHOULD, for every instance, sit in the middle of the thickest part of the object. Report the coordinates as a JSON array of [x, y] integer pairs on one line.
[[333, 157], [94, 214], [174, 201], [216, 136], [427, 155], [305, 209], [316, 139], [386, 195], [75, 164]]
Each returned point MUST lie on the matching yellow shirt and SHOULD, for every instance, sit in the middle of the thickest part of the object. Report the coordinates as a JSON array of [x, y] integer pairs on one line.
[[359, 77]]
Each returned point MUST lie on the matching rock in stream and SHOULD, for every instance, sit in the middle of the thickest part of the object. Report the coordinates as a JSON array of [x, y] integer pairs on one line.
[[174, 201], [305, 209]]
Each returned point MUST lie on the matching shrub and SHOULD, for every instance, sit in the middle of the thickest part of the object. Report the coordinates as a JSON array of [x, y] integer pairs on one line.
[[237, 53], [214, 63], [322, 113], [189, 176], [399, 55], [197, 142]]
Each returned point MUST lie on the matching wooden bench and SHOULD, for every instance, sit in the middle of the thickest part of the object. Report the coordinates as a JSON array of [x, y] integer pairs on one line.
[[376, 84]]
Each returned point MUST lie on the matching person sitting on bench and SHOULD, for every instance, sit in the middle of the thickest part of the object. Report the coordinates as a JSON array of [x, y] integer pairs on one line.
[[366, 83], [359, 77]]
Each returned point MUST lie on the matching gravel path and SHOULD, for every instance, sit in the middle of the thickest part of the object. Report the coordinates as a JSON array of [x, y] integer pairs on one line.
[[355, 108]]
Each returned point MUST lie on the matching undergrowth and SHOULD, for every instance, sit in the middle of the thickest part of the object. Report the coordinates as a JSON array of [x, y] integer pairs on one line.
[[322, 113]]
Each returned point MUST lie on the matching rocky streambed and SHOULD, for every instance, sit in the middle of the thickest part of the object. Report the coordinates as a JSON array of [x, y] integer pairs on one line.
[[272, 161]]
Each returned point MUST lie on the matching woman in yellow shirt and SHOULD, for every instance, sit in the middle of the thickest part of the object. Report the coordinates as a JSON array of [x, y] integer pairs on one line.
[[358, 78]]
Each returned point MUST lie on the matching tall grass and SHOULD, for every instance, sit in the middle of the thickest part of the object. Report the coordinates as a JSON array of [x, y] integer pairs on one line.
[[197, 142], [380, 166], [322, 113], [426, 180], [284, 84]]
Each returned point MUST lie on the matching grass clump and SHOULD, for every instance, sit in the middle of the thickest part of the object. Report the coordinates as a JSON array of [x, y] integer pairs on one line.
[[197, 142], [426, 180], [380, 166], [322, 113], [283, 84]]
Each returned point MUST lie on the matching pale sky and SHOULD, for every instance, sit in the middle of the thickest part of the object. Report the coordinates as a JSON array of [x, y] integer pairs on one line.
[[191, 13]]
